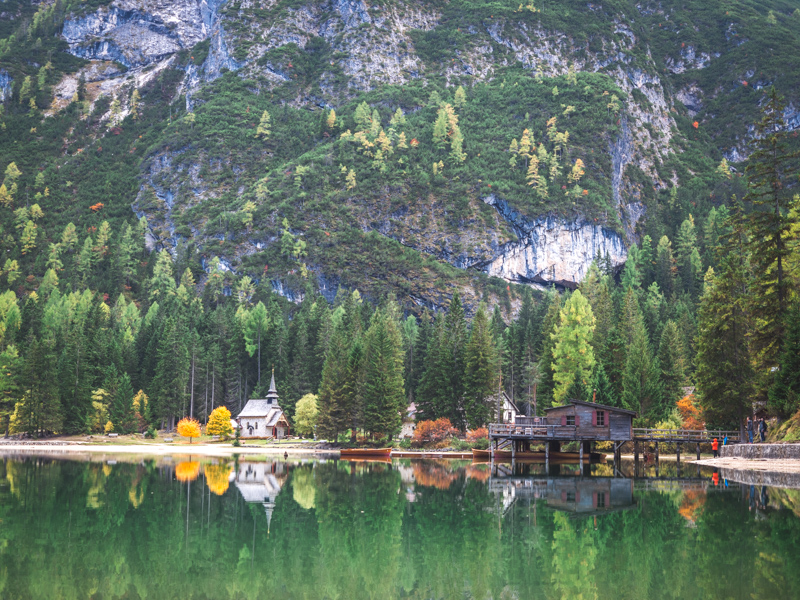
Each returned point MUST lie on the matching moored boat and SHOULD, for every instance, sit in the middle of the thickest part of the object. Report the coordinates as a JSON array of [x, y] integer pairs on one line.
[[365, 452]]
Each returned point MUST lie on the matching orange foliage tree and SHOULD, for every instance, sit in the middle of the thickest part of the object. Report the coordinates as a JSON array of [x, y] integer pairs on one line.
[[477, 434], [690, 414], [189, 428], [434, 431], [187, 470]]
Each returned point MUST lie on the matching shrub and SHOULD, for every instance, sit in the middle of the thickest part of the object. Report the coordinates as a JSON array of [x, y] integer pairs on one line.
[[434, 431], [109, 427], [477, 434], [150, 433]]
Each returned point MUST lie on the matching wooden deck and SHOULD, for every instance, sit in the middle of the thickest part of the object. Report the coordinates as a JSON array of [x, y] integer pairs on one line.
[[702, 436]]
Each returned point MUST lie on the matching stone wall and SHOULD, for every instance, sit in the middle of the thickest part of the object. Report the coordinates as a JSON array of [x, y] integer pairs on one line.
[[770, 478], [753, 451]]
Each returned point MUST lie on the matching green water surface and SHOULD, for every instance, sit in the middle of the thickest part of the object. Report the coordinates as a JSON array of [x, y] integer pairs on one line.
[[195, 527]]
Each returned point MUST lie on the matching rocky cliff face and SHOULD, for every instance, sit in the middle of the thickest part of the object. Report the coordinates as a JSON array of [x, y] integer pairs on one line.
[[6, 85], [365, 46], [550, 249]]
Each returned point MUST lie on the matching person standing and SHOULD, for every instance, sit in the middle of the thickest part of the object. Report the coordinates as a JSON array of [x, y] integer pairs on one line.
[[750, 429], [762, 429], [715, 447]]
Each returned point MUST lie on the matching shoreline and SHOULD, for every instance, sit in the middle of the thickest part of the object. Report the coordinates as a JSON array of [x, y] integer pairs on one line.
[[157, 449]]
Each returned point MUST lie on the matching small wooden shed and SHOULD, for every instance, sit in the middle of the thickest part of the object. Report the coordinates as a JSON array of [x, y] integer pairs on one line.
[[593, 421]]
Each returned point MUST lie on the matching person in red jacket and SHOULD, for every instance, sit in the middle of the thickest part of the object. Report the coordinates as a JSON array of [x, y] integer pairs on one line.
[[715, 447]]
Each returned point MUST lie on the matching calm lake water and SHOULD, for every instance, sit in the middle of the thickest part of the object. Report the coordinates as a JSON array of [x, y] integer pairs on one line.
[[194, 527]]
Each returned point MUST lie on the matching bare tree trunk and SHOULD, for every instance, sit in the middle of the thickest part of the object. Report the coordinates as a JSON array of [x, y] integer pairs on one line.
[[191, 392], [205, 406]]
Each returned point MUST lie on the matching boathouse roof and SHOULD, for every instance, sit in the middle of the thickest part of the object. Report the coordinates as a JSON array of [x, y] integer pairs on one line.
[[596, 406]]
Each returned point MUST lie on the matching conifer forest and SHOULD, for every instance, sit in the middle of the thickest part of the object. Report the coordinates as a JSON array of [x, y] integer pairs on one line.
[[358, 205]]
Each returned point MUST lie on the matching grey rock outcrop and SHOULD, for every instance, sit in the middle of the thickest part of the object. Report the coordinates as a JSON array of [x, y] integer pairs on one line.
[[6, 85], [551, 249]]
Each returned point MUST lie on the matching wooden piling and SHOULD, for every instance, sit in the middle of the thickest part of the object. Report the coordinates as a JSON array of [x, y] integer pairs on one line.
[[580, 457], [678, 453], [698, 450]]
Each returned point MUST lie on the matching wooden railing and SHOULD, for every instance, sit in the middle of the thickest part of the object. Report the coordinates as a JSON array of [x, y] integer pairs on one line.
[[685, 435], [530, 421], [540, 431]]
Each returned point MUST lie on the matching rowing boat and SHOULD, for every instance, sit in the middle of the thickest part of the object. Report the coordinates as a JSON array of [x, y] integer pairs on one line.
[[365, 452]]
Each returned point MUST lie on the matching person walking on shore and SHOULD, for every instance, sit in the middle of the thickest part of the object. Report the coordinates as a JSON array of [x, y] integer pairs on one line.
[[715, 447], [762, 429], [750, 429]]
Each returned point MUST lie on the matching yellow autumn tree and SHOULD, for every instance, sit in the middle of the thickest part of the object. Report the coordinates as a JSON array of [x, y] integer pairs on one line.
[[219, 422], [189, 428]]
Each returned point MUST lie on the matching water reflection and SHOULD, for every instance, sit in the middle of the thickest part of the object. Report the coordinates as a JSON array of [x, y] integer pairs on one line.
[[199, 527]]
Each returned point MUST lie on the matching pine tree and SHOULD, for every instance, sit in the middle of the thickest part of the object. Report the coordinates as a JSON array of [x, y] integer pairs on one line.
[[333, 419], [480, 363], [573, 356]]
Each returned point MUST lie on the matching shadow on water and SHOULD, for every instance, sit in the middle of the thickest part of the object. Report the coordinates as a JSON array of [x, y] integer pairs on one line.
[[201, 527]]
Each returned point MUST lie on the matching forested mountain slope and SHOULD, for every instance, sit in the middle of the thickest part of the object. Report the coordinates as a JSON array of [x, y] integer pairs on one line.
[[648, 97]]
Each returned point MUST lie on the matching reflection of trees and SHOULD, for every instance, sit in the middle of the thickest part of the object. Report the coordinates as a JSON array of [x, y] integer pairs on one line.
[[433, 474], [360, 520], [449, 543], [574, 557], [218, 477], [188, 470]]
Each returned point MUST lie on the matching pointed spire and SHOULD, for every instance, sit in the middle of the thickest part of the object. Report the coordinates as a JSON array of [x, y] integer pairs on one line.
[[273, 391]]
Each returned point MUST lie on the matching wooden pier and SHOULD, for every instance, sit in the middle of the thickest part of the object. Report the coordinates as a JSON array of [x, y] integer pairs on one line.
[[588, 422]]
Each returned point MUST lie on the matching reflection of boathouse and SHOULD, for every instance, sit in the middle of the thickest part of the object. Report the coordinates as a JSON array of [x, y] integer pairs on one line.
[[260, 482], [577, 495]]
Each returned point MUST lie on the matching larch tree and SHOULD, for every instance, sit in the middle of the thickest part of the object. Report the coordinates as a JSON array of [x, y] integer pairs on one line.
[[264, 128], [573, 356]]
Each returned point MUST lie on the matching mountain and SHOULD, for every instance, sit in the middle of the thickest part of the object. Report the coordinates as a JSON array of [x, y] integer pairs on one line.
[[406, 147]]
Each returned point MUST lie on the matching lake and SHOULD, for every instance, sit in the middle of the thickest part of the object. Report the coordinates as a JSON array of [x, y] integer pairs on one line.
[[203, 528]]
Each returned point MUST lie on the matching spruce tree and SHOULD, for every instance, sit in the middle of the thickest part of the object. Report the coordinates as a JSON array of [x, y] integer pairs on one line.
[[602, 391], [784, 395], [384, 391], [770, 170], [671, 361], [480, 379], [641, 385]]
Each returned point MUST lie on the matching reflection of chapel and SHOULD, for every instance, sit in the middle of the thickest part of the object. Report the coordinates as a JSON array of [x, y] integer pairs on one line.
[[264, 418], [260, 482]]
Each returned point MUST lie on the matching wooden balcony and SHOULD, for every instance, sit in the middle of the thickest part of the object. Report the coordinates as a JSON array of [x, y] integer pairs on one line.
[[540, 431]]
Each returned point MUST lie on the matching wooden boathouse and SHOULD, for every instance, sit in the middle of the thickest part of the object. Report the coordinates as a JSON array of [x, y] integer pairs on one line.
[[579, 421], [588, 422]]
